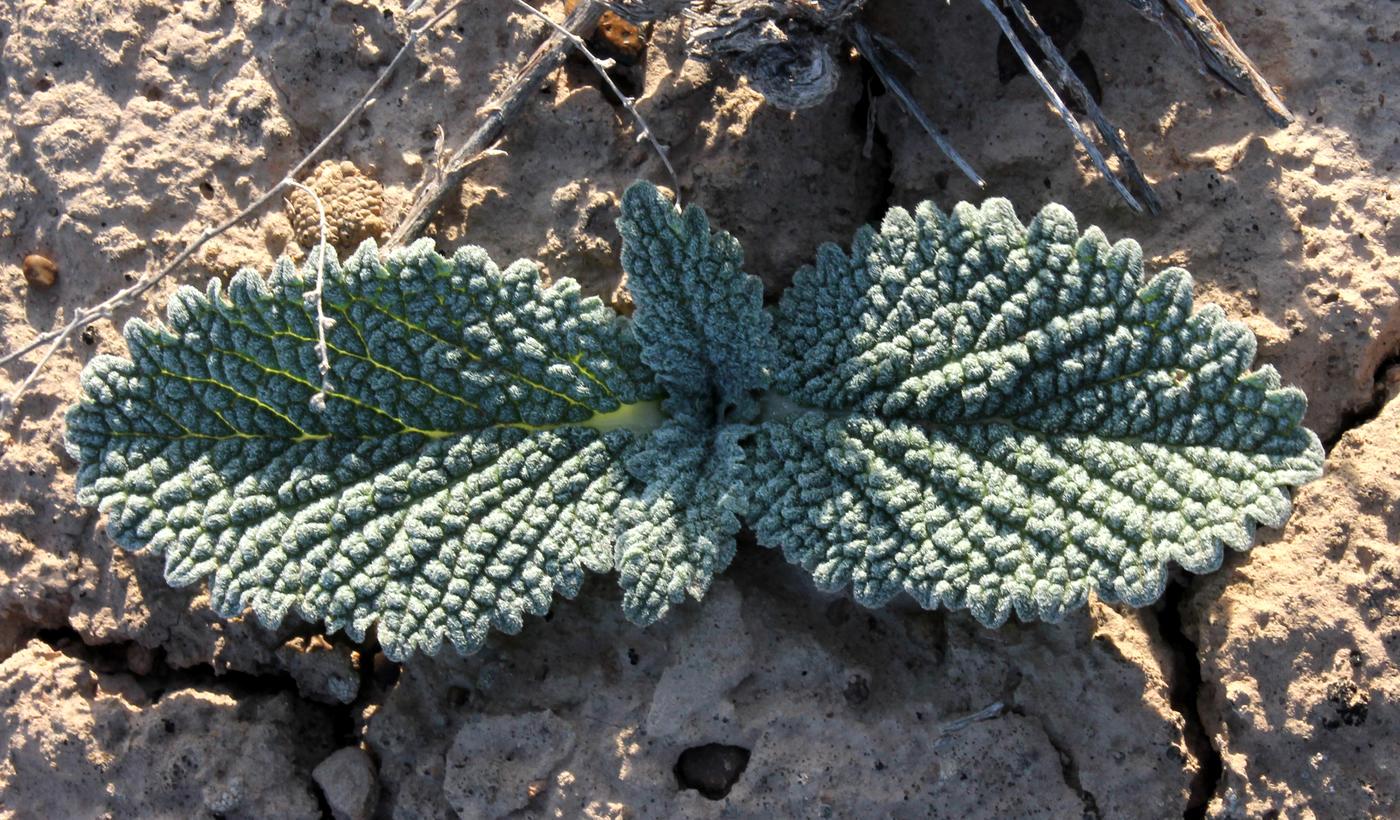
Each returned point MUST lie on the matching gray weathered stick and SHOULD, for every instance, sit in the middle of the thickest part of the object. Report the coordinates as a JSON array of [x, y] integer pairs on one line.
[[865, 43], [1071, 82], [1195, 27], [1065, 114], [952, 727], [548, 57]]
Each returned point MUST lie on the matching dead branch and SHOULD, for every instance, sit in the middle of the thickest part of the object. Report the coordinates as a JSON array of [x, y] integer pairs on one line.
[[785, 49], [1065, 114], [429, 195], [952, 727], [432, 191], [1070, 82], [1195, 28], [868, 48], [628, 103]]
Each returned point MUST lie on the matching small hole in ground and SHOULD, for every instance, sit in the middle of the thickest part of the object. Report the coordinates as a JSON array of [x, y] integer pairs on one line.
[[712, 769]]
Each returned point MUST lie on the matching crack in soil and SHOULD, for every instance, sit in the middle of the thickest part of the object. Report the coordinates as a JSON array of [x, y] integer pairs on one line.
[[1069, 767], [1371, 409], [1184, 693], [160, 679], [112, 659], [877, 144]]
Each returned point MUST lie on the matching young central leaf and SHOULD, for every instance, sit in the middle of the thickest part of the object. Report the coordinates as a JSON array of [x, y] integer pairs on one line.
[[703, 330], [466, 463], [996, 417]]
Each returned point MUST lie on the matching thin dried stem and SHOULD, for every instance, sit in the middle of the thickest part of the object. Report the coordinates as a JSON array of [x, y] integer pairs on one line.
[[314, 300], [865, 43], [432, 192], [1195, 28], [1070, 81], [1065, 114], [128, 295], [601, 66], [952, 727]]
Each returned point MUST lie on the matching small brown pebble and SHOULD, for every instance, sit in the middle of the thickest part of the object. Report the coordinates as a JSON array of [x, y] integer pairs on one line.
[[623, 39], [615, 37], [40, 271]]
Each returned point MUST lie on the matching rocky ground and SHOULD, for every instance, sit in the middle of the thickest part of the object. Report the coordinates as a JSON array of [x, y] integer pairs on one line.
[[1269, 688]]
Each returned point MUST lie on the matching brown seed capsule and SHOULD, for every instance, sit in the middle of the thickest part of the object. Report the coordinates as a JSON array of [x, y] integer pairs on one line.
[[40, 271]]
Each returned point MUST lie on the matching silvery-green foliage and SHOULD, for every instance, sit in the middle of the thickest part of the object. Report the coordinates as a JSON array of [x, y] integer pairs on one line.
[[1007, 418], [979, 413], [449, 484], [705, 333], [699, 317], [679, 532]]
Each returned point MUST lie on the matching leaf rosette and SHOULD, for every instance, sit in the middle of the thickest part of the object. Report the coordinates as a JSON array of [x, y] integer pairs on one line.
[[979, 413]]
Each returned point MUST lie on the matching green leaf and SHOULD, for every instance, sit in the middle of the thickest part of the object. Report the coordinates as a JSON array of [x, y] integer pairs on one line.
[[679, 533], [1005, 418], [703, 330], [699, 317], [465, 466]]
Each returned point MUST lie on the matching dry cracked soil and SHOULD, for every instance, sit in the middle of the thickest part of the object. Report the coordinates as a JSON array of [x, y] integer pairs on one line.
[[1269, 688]]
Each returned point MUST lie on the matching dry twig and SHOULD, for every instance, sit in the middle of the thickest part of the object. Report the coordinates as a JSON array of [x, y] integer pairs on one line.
[[952, 727], [550, 54], [1071, 82], [869, 49], [1065, 114], [313, 300], [1195, 28], [431, 192], [629, 103], [104, 310]]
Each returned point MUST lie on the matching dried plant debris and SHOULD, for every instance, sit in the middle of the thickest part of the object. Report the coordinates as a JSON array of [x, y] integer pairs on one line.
[[786, 50], [642, 11], [1195, 27]]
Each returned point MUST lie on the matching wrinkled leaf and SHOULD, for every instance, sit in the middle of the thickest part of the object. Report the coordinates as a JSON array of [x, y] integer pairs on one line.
[[1007, 418], [703, 330], [466, 465]]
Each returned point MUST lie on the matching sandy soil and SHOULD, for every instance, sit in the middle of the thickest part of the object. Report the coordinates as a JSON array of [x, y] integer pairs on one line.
[[1268, 688]]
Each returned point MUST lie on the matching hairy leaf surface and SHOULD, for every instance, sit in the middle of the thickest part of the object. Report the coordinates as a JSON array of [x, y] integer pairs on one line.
[[1000, 417], [703, 330], [466, 464], [678, 534], [699, 317]]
